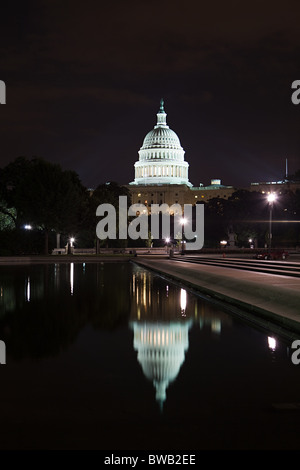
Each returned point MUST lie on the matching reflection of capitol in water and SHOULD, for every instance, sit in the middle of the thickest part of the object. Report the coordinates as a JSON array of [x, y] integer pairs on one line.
[[161, 316], [161, 351]]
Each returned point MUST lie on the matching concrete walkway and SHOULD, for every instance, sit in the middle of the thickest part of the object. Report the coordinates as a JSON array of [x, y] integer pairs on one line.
[[262, 297]]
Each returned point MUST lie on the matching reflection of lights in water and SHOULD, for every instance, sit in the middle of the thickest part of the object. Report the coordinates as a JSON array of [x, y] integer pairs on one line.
[[144, 290], [216, 325], [167, 290], [272, 343], [161, 352], [28, 290], [183, 301], [83, 267], [72, 277]]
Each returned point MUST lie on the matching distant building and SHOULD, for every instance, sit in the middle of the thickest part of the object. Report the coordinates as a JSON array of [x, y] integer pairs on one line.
[[161, 157], [268, 187], [161, 173]]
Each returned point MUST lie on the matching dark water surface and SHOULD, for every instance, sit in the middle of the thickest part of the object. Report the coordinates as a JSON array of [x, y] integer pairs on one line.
[[111, 356]]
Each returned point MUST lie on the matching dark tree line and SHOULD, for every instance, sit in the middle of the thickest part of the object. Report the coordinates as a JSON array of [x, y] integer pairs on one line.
[[246, 214], [40, 194]]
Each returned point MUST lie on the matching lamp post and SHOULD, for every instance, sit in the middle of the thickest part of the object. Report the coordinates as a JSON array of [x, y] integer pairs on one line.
[[72, 240], [271, 199], [182, 221]]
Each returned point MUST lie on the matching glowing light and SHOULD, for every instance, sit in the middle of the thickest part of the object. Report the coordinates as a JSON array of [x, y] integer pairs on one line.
[[271, 343], [72, 278], [183, 300], [27, 227], [216, 182], [272, 197], [182, 220], [28, 290]]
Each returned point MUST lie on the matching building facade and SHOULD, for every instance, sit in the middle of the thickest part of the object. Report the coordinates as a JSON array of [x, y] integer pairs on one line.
[[161, 173]]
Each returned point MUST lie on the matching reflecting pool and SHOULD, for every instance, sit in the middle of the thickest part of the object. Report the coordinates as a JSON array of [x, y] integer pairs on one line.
[[112, 356]]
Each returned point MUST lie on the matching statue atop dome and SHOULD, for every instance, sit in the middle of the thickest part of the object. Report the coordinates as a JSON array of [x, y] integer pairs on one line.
[[161, 109]]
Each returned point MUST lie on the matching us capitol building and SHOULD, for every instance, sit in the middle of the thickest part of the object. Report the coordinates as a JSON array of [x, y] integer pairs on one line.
[[161, 173]]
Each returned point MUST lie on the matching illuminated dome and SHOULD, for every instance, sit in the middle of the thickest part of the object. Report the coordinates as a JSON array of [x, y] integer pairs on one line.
[[161, 138], [161, 352], [161, 157]]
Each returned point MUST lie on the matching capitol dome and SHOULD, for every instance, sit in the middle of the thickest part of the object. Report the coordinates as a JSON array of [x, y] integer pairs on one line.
[[161, 352], [161, 157], [162, 137]]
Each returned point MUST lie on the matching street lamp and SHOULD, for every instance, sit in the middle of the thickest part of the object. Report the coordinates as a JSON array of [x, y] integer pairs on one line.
[[167, 240], [271, 199], [71, 247], [182, 221]]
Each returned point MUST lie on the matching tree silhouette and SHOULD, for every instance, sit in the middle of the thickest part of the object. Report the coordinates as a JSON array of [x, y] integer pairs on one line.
[[43, 195]]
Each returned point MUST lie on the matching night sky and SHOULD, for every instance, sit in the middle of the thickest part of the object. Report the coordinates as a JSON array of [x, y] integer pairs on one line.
[[84, 81]]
